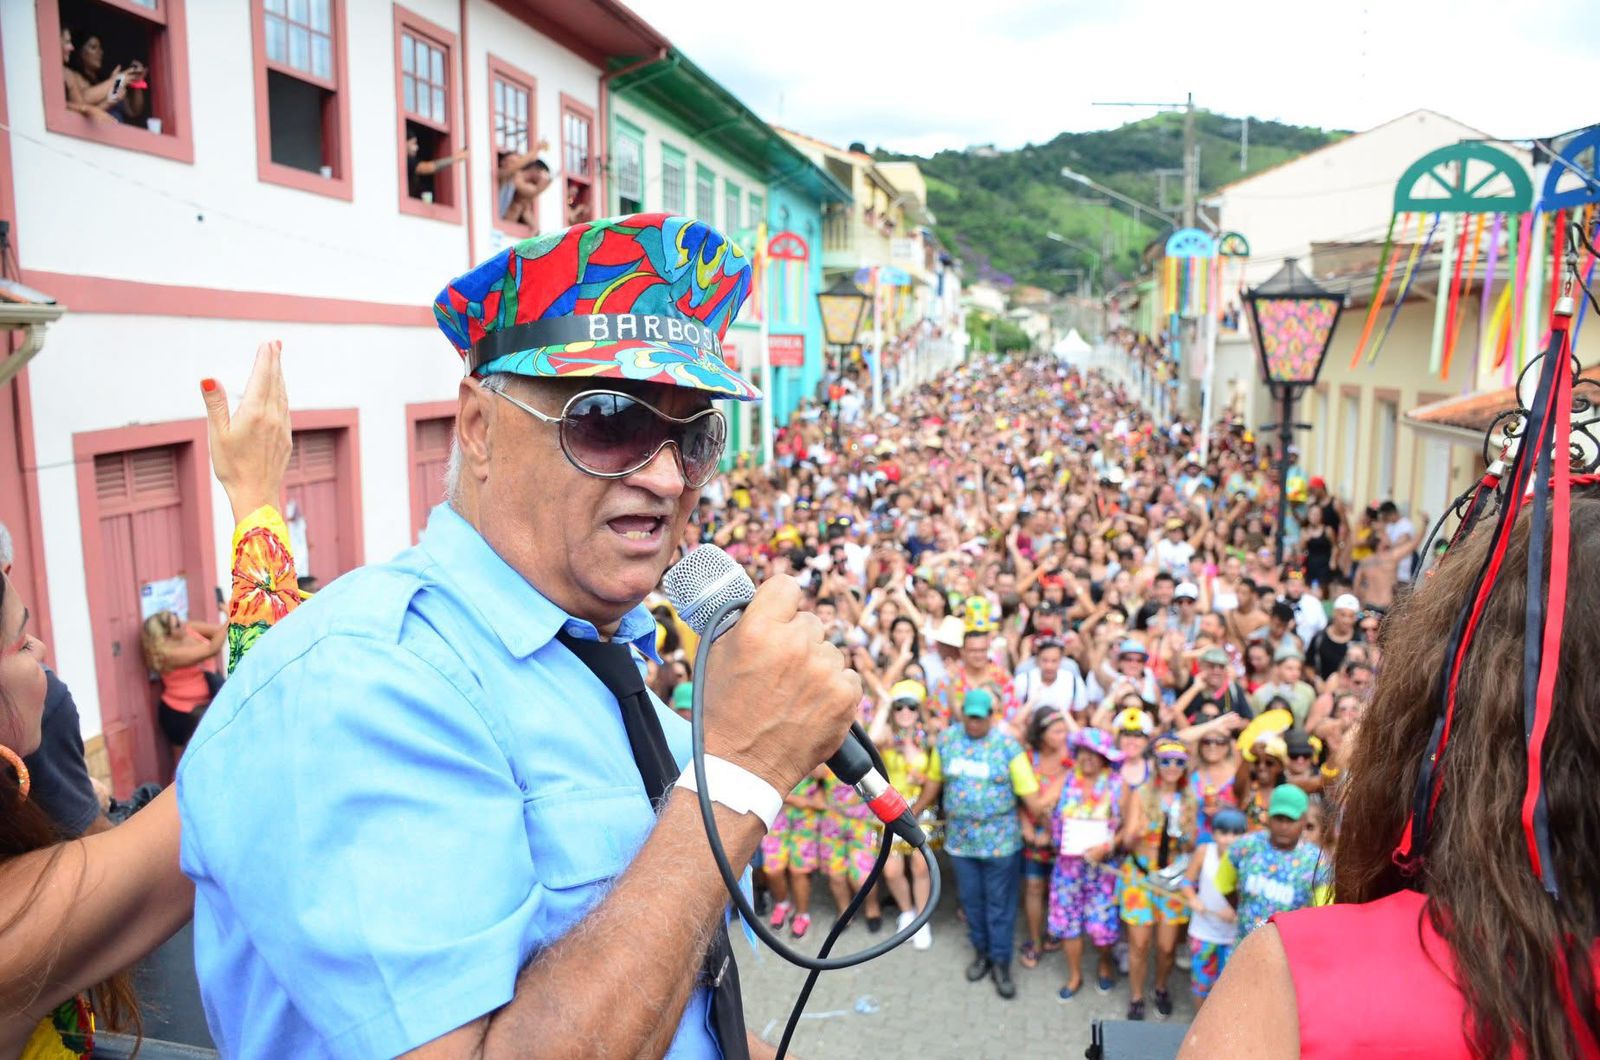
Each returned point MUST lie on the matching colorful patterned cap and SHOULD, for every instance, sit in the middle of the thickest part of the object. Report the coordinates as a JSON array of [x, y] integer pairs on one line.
[[646, 297], [1098, 741]]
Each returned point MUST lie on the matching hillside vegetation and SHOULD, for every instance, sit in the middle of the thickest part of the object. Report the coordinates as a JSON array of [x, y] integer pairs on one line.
[[995, 208]]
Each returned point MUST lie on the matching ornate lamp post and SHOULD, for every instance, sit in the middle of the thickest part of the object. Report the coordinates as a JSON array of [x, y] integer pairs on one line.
[[844, 308], [1291, 322]]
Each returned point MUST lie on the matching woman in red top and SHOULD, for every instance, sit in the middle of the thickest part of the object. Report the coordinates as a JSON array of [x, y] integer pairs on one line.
[[175, 649], [1491, 952]]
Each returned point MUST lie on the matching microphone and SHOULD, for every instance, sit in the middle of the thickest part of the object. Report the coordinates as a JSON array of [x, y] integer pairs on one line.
[[698, 586]]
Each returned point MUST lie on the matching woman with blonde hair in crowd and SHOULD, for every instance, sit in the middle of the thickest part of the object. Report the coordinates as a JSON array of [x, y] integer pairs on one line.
[[1159, 826], [177, 650], [900, 729]]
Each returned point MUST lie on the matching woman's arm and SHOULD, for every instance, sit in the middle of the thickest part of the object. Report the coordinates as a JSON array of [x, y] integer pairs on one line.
[[188, 653], [80, 912], [1252, 1013], [878, 731], [1132, 819]]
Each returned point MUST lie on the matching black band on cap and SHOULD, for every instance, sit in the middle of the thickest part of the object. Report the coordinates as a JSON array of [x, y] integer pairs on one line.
[[595, 327]]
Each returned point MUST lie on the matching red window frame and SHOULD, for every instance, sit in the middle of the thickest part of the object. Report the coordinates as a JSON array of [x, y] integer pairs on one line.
[[500, 70], [336, 134], [169, 65], [413, 24], [416, 414], [585, 181], [346, 425]]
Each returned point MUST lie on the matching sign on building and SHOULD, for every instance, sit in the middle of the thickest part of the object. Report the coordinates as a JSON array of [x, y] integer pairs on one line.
[[786, 351]]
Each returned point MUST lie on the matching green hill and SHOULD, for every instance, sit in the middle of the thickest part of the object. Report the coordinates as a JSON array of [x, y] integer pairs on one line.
[[994, 208]]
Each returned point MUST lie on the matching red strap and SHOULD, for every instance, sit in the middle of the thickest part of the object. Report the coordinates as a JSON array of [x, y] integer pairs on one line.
[[1555, 610]]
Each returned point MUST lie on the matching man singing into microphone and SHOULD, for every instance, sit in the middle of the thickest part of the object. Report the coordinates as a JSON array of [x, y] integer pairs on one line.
[[433, 814]]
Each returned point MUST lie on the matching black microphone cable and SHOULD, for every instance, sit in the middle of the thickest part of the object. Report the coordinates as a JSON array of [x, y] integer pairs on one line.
[[730, 879]]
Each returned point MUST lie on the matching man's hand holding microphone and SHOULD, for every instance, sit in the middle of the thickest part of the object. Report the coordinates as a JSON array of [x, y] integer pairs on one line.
[[779, 699]]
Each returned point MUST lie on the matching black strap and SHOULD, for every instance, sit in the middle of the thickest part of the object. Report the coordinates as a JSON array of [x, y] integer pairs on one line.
[[614, 665]]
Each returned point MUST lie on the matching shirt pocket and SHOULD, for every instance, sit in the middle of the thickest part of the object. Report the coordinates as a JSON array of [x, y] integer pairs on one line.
[[585, 837]]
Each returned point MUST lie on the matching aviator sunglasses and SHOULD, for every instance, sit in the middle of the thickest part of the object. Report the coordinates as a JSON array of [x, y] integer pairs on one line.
[[609, 434]]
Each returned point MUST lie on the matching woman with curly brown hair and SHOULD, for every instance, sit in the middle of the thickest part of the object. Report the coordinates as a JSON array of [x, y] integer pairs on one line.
[[1471, 954]]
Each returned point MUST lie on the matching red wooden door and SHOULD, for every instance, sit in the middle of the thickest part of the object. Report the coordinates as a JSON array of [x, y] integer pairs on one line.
[[430, 458], [140, 504], [312, 485]]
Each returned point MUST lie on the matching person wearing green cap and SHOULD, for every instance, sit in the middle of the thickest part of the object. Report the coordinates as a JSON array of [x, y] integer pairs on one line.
[[984, 772], [683, 699], [1274, 871]]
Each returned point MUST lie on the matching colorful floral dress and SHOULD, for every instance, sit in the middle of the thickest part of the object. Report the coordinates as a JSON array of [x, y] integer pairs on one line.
[[1141, 903], [911, 763], [849, 840], [793, 841], [1083, 894]]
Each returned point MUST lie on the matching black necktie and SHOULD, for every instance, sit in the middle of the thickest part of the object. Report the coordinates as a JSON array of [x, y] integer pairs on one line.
[[613, 664]]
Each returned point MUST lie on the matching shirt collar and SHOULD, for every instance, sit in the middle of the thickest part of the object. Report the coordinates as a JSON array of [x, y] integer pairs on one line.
[[520, 615]]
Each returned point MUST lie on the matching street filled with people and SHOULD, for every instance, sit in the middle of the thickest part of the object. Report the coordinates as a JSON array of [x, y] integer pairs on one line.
[[1085, 667]]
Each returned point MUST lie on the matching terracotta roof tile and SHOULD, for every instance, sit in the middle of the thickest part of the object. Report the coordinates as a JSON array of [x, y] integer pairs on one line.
[[1474, 412]]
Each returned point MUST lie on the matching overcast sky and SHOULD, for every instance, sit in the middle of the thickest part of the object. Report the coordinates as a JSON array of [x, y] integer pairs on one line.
[[923, 75]]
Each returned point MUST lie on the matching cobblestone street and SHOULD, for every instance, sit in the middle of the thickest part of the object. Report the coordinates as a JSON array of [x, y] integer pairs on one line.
[[955, 1019]]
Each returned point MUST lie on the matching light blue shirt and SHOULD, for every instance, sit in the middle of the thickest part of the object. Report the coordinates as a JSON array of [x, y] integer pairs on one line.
[[408, 789]]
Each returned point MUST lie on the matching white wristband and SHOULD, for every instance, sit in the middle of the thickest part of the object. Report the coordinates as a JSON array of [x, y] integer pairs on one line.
[[736, 788]]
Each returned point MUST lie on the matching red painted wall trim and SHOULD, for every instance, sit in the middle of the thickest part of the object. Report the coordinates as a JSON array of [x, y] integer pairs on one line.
[[592, 182], [501, 70], [270, 172], [465, 118], [95, 294], [347, 456], [436, 34], [199, 547], [424, 410], [171, 68]]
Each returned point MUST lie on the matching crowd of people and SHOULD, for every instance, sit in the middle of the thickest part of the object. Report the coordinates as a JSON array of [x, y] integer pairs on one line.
[[1083, 663], [1065, 628]]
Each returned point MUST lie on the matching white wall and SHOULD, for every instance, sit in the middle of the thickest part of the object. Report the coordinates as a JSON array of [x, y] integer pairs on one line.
[[1341, 193], [97, 210], [103, 371], [695, 154]]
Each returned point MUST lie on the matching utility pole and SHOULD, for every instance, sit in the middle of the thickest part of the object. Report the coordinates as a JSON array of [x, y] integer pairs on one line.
[[1191, 165], [1244, 145], [1191, 153]]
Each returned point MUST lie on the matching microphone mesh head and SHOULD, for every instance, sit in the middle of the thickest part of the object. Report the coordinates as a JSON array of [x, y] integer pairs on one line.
[[702, 581]]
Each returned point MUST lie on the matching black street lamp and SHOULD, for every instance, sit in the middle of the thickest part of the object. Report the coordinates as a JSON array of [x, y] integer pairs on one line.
[[1291, 322], [844, 308]]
